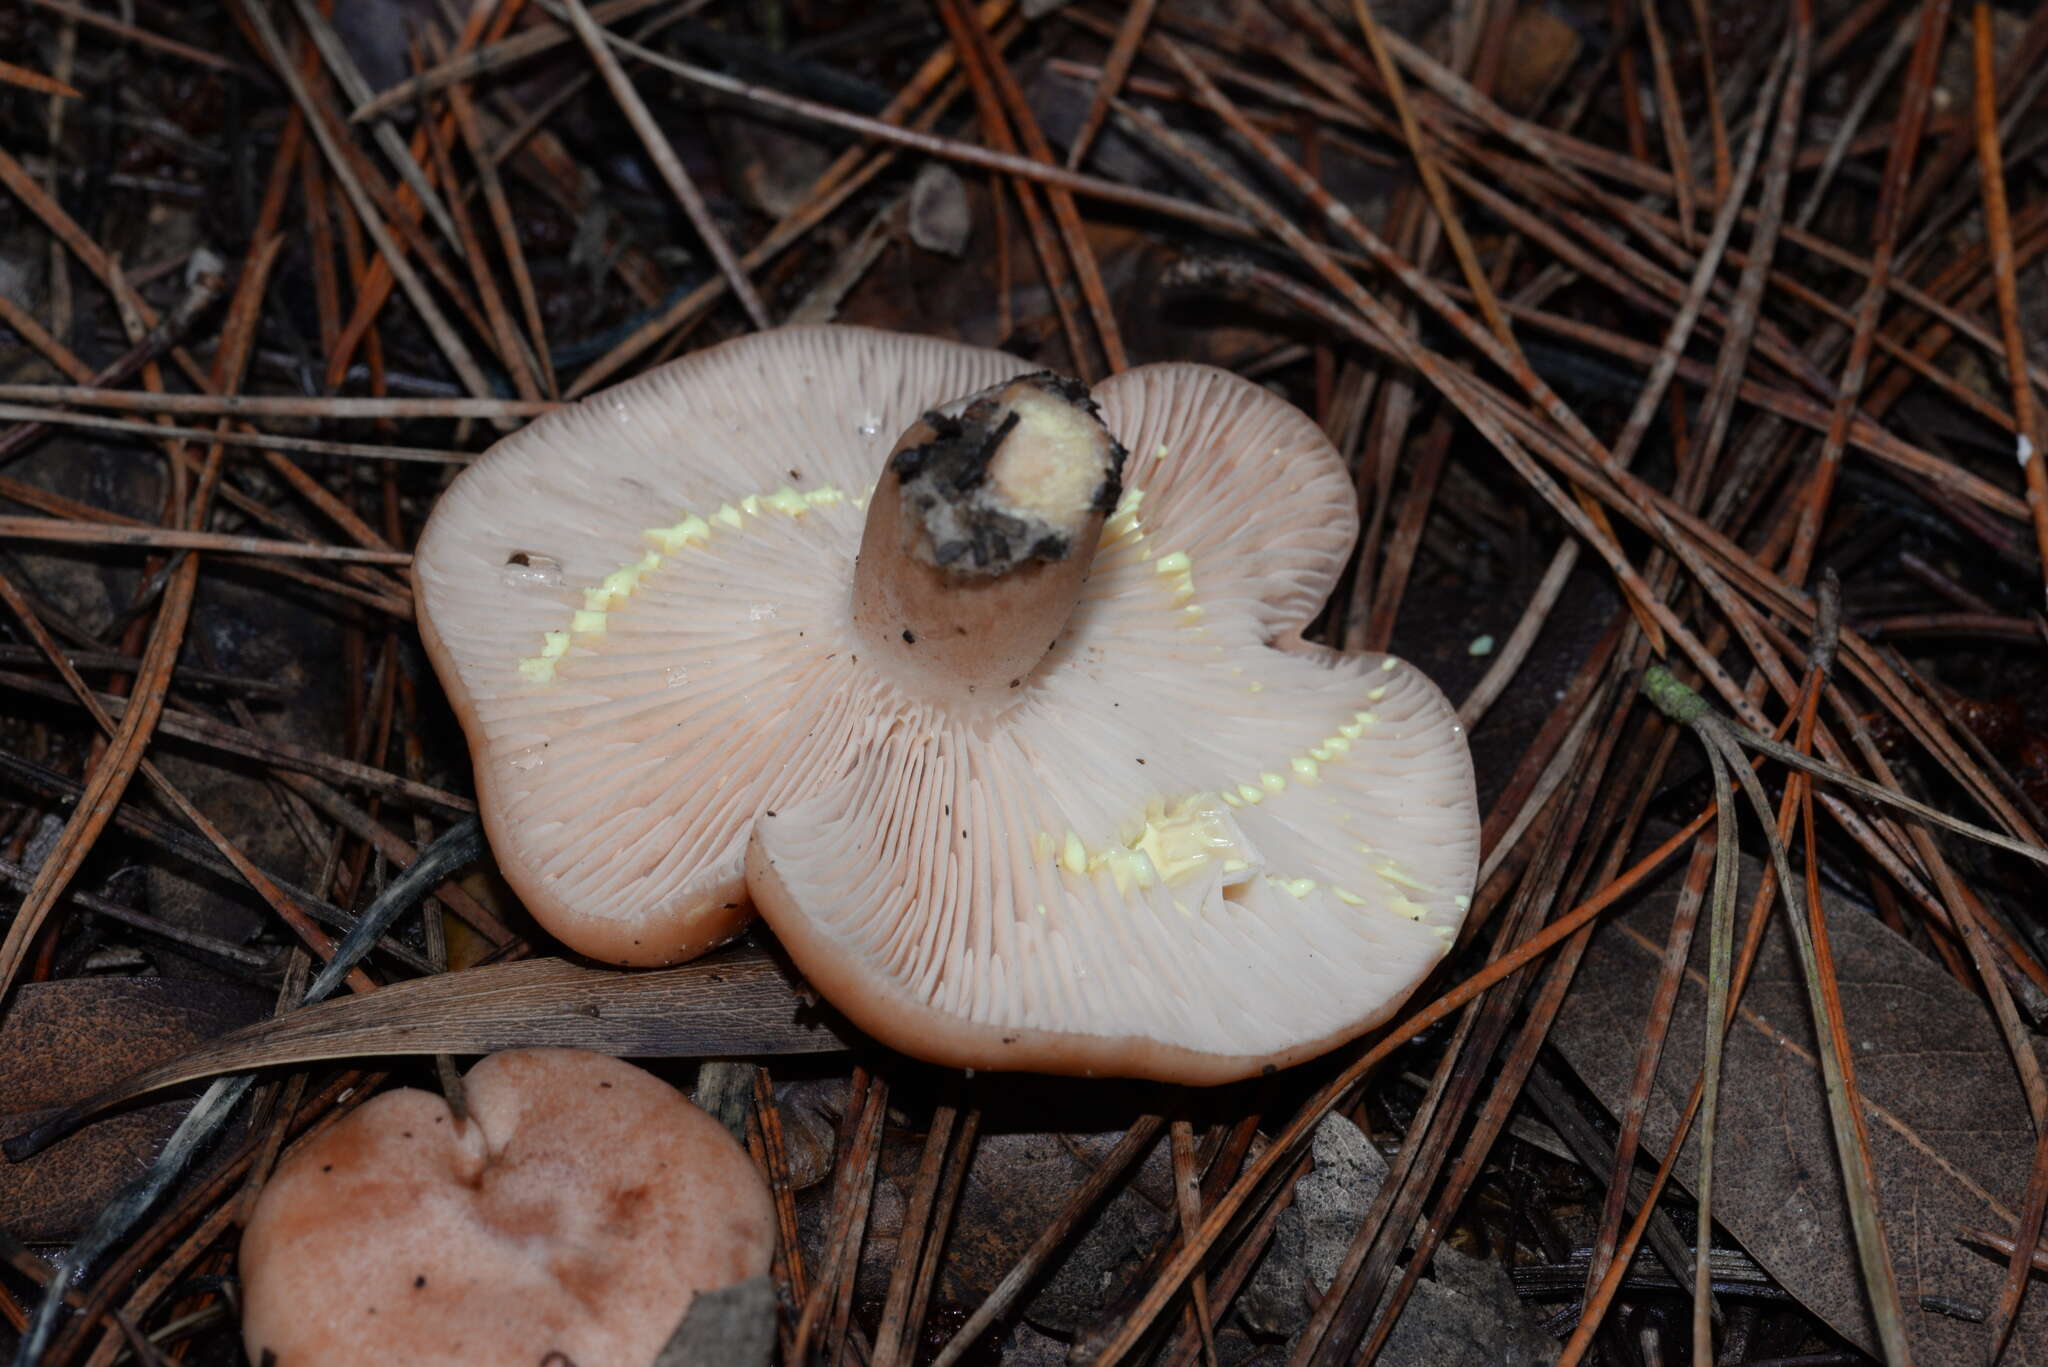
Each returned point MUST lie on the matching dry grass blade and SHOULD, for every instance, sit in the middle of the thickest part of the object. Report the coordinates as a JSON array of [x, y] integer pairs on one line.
[[1680, 331], [2004, 1245], [967, 40], [1523, 638], [168, 332], [1671, 121], [1492, 1118], [323, 409], [1603, 1295], [511, 344], [1008, 100], [858, 1152], [1720, 955], [183, 51], [100, 534], [26, 79], [262, 965], [262, 440], [1135, 1144], [736, 1004], [468, 66], [1683, 705], [502, 222], [374, 279], [958, 1161], [1898, 166], [1380, 1226], [2034, 470], [1386, 332], [1837, 1068], [1187, 1205], [1581, 1341], [953, 149], [1874, 81], [1122, 53], [1432, 179], [896, 1332], [1998, 233], [129, 740], [1558, 870], [1740, 331], [1585, 517], [339, 160], [663, 156], [843, 1256], [287, 909], [847, 174], [1677, 953], [349, 77]]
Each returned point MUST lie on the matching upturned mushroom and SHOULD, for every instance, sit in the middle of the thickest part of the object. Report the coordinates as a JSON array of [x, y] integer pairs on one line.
[[572, 1217], [1007, 727]]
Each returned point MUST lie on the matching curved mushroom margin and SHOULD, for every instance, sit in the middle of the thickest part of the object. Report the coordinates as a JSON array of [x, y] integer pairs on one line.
[[715, 915], [924, 1032]]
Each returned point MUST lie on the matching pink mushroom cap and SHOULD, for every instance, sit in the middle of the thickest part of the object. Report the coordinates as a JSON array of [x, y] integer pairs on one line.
[[578, 1211]]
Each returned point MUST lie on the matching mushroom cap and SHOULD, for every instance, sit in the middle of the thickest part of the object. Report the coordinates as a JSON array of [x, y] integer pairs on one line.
[[579, 1211], [1186, 846]]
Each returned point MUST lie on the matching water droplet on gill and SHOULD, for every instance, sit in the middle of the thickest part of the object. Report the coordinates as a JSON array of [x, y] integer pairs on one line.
[[528, 760], [870, 425], [675, 676], [533, 572], [619, 409], [762, 612]]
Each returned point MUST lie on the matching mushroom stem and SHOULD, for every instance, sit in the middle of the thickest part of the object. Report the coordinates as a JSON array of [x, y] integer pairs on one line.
[[981, 531]]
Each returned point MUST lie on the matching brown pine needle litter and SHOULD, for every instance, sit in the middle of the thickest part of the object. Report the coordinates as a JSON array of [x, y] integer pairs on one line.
[[1688, 362]]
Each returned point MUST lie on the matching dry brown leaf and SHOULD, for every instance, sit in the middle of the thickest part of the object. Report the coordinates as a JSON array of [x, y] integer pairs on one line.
[[1949, 1134], [63, 1040], [734, 1004]]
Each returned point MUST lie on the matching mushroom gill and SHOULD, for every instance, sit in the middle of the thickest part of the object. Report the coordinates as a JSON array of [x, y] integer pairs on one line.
[[1163, 837], [639, 608]]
